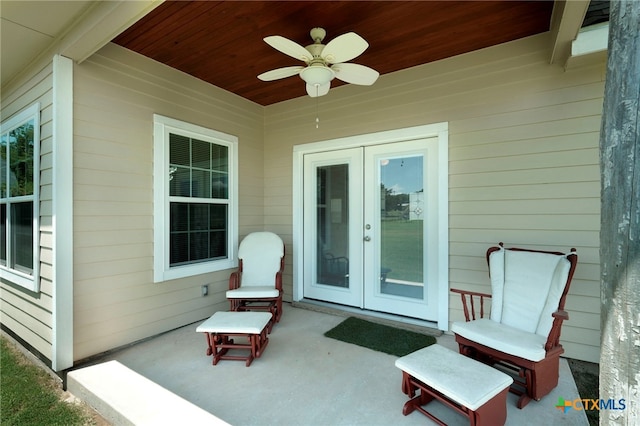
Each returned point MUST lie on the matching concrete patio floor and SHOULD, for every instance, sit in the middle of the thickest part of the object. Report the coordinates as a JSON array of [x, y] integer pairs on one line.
[[304, 378]]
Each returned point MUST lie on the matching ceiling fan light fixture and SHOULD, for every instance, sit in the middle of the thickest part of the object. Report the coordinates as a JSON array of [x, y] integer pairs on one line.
[[323, 63], [317, 75]]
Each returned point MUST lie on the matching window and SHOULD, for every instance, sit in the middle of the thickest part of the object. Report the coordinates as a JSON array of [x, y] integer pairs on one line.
[[195, 196], [19, 171]]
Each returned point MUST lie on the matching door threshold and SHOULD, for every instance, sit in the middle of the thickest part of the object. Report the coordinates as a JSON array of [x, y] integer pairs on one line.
[[414, 324]]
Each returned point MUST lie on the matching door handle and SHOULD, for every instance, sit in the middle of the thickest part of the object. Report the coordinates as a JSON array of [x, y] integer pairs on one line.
[[367, 238]]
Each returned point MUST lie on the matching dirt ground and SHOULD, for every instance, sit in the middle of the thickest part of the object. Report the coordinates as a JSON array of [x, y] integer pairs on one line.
[[587, 378]]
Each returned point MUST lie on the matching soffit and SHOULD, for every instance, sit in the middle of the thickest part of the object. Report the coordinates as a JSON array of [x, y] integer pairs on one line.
[[27, 28]]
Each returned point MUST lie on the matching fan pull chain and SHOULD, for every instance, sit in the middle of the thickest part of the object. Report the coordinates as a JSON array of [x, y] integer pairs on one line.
[[317, 115]]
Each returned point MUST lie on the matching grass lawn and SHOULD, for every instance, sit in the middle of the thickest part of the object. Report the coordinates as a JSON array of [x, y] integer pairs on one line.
[[402, 249], [29, 396]]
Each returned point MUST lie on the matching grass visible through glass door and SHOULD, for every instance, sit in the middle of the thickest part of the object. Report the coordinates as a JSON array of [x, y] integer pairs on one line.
[[402, 250]]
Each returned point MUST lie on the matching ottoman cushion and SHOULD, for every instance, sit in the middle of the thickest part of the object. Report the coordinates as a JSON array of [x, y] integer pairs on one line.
[[235, 322], [461, 379]]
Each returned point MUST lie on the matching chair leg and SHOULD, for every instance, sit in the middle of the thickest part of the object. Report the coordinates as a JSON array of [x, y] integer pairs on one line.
[[523, 401], [536, 379], [465, 350], [407, 387], [279, 307], [416, 403], [209, 338], [543, 377]]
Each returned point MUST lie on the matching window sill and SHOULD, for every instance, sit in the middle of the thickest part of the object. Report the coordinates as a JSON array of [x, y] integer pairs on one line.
[[19, 279], [185, 271]]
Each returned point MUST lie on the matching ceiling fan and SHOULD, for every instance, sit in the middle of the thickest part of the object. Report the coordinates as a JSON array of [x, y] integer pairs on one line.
[[323, 62]]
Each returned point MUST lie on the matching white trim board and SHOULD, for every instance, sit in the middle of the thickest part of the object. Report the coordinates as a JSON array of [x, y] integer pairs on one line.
[[62, 220]]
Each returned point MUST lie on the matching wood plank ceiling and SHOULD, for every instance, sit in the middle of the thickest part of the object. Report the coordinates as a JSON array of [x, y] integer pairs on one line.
[[221, 41]]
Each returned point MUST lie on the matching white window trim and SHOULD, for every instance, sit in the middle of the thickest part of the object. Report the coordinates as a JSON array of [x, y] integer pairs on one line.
[[161, 269], [30, 282]]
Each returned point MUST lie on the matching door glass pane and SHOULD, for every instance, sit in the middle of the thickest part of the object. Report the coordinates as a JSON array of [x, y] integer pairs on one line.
[[401, 224], [332, 195]]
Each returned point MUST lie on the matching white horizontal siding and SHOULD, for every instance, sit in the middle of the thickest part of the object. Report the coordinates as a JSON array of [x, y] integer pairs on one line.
[[117, 92], [30, 315], [523, 159]]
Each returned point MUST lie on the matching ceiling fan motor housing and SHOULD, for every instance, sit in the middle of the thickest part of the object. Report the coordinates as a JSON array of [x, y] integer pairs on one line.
[[316, 51], [318, 34]]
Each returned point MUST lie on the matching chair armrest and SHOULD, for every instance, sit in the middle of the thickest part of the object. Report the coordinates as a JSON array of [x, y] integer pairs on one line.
[[234, 280], [553, 339], [469, 306], [563, 315], [279, 275]]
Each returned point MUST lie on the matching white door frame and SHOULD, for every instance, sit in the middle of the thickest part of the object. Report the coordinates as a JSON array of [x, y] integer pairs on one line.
[[438, 130], [351, 295]]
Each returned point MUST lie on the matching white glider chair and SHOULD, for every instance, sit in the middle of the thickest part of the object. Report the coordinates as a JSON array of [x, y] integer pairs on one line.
[[522, 334], [257, 284]]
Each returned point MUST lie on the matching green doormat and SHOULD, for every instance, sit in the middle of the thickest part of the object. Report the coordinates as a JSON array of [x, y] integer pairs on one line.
[[381, 338]]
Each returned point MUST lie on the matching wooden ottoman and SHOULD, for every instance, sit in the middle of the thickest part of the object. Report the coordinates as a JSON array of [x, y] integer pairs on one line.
[[471, 388], [251, 326]]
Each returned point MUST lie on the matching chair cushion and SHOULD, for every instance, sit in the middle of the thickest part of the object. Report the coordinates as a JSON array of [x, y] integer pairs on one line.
[[253, 292], [503, 338], [526, 288], [260, 253]]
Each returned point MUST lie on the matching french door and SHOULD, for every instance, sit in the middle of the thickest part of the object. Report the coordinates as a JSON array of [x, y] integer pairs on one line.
[[371, 227]]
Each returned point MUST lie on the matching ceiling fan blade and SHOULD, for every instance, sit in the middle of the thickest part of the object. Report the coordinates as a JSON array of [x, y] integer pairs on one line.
[[355, 74], [318, 90], [280, 73], [288, 47], [344, 48]]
